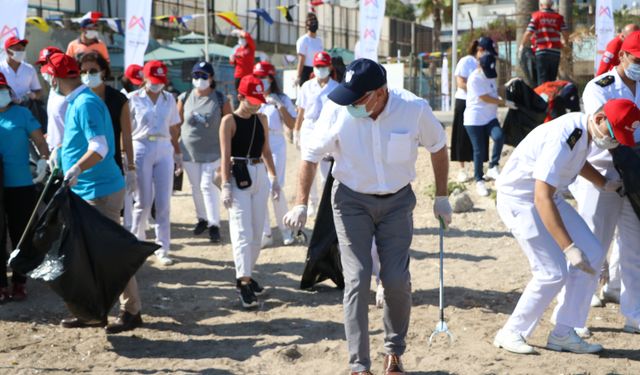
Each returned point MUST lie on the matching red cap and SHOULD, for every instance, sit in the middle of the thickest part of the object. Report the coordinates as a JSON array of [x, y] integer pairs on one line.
[[251, 88], [631, 44], [62, 66], [46, 52], [624, 117], [134, 74], [322, 59], [13, 41], [263, 69], [155, 71], [3, 80]]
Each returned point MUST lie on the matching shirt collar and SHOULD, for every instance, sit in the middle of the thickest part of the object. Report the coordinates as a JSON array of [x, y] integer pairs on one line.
[[73, 94]]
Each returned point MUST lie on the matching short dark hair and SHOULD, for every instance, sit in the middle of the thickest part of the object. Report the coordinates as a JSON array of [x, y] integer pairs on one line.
[[274, 88], [98, 59]]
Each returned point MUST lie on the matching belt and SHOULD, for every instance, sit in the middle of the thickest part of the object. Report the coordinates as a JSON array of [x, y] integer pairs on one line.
[[250, 161], [152, 138], [390, 194]]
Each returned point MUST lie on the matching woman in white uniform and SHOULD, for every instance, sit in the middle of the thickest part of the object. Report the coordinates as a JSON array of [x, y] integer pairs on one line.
[[280, 112], [155, 131]]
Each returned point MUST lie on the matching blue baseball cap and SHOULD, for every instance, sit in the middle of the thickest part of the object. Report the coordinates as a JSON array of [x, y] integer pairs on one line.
[[204, 67], [488, 45], [488, 65], [88, 23], [361, 76]]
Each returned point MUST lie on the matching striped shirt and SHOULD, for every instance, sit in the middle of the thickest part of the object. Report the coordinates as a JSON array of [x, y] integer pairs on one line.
[[547, 25]]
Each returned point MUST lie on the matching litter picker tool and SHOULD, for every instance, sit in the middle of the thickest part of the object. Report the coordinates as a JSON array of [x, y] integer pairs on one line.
[[441, 327]]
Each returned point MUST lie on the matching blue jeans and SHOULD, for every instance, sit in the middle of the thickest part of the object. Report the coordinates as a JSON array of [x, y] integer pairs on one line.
[[479, 136]]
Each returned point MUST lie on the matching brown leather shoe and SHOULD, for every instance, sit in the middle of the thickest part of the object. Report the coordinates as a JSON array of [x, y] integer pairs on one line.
[[362, 373], [392, 365], [79, 323], [125, 322]]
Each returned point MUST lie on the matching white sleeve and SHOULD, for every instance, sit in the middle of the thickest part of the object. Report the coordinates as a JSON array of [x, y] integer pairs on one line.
[[324, 138], [431, 133], [35, 82], [461, 69], [478, 86], [552, 161], [98, 144], [173, 117], [301, 46], [301, 101], [593, 98], [288, 104]]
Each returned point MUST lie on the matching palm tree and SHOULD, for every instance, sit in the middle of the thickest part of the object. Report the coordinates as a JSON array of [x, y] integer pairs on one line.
[[524, 8], [566, 63], [438, 9]]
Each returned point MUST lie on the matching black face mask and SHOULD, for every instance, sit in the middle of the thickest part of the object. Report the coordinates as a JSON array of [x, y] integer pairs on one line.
[[312, 26]]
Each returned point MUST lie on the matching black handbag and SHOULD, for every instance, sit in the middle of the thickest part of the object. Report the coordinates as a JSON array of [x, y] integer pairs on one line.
[[239, 168]]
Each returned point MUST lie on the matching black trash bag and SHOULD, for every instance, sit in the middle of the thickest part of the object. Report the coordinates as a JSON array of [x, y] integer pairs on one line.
[[323, 254], [530, 113], [627, 162], [86, 258], [528, 66], [567, 100], [3, 224]]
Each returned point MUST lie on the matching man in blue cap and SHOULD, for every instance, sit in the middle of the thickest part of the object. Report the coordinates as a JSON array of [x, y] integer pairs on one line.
[[373, 134]]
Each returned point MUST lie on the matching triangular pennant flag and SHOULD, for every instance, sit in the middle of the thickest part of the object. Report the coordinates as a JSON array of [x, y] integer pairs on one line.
[[285, 12], [94, 16], [115, 24], [38, 22], [231, 18], [263, 13]]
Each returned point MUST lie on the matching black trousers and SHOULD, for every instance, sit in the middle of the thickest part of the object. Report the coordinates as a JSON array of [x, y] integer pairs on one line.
[[306, 72], [547, 66], [19, 203]]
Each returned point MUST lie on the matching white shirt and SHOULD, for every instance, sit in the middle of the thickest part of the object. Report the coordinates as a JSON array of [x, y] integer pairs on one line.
[[383, 152], [149, 119], [546, 154], [464, 68], [312, 97], [308, 46], [477, 111], [56, 109], [23, 81], [593, 98], [273, 114]]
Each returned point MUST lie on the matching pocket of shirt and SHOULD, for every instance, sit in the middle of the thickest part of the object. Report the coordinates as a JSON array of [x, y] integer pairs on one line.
[[399, 148]]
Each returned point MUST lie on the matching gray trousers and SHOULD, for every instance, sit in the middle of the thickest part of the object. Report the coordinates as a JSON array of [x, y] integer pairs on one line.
[[358, 218]]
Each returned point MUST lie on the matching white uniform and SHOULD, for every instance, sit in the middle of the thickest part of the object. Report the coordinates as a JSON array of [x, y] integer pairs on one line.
[[555, 153], [279, 153], [23, 81], [603, 211], [153, 155]]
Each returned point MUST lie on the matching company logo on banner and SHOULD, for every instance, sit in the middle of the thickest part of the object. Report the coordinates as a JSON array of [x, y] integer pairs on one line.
[[12, 18], [371, 17], [137, 35], [605, 29]]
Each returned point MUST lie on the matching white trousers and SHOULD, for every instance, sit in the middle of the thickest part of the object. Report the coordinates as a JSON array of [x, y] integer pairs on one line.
[[206, 196], [127, 216], [246, 219], [319, 180], [550, 270], [279, 153], [154, 165]]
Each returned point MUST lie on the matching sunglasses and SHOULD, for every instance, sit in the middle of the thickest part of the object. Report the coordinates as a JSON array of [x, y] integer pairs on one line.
[[199, 75], [90, 71]]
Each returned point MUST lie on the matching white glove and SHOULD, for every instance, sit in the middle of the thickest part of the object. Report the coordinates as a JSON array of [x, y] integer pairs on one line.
[[131, 181], [296, 138], [177, 160], [442, 209], [225, 196], [520, 49], [511, 105], [297, 82], [577, 259], [72, 175], [275, 188], [41, 171], [53, 158], [604, 273], [611, 186], [274, 100], [296, 218]]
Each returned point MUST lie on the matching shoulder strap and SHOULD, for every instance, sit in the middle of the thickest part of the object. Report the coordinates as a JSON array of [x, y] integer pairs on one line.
[[253, 135]]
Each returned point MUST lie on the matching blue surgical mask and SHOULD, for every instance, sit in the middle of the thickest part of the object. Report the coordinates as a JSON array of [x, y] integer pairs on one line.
[[5, 98], [91, 80], [633, 72], [360, 110]]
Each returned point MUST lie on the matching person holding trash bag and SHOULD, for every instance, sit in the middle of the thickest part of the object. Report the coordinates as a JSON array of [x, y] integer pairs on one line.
[[17, 127], [87, 160], [155, 131], [280, 113], [244, 144], [562, 251], [373, 133]]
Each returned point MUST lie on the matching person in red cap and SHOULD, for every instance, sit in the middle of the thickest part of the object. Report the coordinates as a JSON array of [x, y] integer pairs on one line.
[[610, 58], [17, 128], [56, 103], [281, 115], [132, 78], [562, 251], [244, 147], [244, 55], [87, 41], [21, 76], [155, 130], [311, 99]]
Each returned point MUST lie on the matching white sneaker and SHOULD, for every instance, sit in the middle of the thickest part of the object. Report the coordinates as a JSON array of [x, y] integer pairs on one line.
[[596, 301], [287, 238], [164, 259], [492, 173], [267, 241], [481, 189], [631, 327], [462, 176], [380, 296], [571, 343], [513, 342], [583, 332]]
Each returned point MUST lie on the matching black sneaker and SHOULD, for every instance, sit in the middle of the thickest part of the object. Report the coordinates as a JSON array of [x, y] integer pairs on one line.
[[248, 299], [257, 289], [214, 234], [200, 227]]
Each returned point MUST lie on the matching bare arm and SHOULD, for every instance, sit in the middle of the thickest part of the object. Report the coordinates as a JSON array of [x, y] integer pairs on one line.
[[491, 100], [227, 129], [89, 160], [298, 122], [180, 107], [305, 179], [175, 135], [226, 108], [592, 174], [440, 163], [546, 207], [526, 39], [461, 82], [300, 65], [41, 144], [288, 120], [125, 135], [267, 157]]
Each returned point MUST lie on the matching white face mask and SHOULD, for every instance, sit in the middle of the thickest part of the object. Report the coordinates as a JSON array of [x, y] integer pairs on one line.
[[5, 98], [242, 42], [47, 78], [91, 80], [154, 88], [18, 56], [321, 73], [603, 141], [91, 34], [200, 83]]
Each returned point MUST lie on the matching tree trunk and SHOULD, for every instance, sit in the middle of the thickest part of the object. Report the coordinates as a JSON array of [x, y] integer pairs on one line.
[[566, 61], [437, 25], [524, 9]]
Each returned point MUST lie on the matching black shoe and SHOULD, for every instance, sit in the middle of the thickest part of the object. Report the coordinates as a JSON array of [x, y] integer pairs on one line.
[[125, 322], [247, 297], [214, 234], [200, 227], [78, 323], [257, 289]]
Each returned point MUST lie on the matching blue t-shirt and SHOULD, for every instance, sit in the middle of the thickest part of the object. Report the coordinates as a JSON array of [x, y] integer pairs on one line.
[[88, 117], [16, 125]]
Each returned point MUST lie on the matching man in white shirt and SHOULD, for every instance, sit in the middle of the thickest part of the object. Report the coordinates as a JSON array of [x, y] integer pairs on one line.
[[562, 251], [21, 76], [373, 134], [306, 47]]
